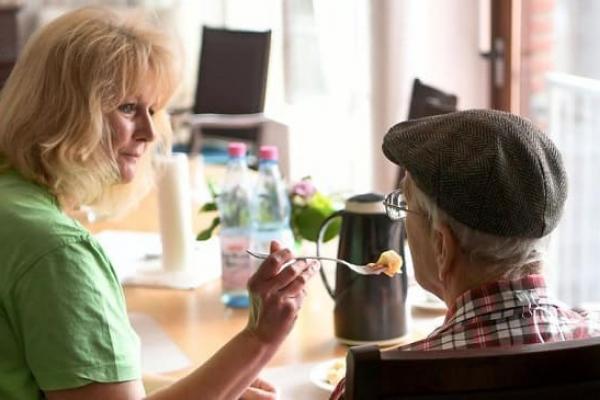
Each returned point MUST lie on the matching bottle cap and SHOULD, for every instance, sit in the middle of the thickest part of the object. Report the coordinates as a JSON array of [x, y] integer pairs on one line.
[[269, 153], [236, 149]]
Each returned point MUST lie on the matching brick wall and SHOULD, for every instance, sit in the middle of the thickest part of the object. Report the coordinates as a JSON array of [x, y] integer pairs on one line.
[[537, 55]]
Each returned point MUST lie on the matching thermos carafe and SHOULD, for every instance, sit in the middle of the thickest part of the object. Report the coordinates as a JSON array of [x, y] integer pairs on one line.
[[368, 308]]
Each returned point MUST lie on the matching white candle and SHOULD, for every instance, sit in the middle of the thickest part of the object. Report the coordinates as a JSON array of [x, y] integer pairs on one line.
[[174, 209]]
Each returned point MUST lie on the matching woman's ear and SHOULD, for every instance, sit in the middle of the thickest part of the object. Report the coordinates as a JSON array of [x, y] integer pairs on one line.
[[445, 250]]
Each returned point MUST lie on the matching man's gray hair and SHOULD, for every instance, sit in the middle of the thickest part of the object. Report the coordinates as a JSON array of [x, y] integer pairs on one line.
[[504, 253]]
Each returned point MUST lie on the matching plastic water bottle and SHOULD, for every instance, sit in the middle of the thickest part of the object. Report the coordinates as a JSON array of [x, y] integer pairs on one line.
[[270, 204], [234, 204]]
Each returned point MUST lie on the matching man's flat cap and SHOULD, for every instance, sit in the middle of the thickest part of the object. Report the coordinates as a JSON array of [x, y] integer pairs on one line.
[[493, 171]]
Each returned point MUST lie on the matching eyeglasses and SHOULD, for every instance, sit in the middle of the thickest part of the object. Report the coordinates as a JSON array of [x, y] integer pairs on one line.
[[396, 206]]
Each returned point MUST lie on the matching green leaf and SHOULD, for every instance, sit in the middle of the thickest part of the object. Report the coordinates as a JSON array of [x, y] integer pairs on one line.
[[212, 188], [321, 202], [207, 233], [308, 220], [206, 207]]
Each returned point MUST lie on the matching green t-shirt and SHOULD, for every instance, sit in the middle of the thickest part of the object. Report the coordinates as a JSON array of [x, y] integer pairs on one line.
[[63, 321]]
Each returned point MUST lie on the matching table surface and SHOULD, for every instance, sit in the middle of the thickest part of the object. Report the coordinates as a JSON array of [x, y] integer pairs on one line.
[[200, 324]]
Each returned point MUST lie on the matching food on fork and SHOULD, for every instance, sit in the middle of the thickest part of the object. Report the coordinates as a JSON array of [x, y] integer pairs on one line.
[[392, 262]]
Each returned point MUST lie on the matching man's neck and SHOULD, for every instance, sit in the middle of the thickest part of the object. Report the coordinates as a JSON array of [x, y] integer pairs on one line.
[[469, 277]]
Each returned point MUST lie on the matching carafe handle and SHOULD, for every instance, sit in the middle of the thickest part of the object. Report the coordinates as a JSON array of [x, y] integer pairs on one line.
[[322, 230]]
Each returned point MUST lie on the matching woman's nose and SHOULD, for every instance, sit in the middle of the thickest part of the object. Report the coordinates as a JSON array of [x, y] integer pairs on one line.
[[146, 129]]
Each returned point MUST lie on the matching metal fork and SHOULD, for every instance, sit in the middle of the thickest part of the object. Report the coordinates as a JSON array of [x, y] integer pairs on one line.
[[361, 269]]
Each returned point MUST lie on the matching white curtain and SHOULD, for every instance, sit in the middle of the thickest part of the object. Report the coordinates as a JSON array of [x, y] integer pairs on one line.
[[328, 83], [574, 121]]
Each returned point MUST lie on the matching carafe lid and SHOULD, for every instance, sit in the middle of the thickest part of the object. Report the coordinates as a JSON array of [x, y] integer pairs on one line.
[[367, 203]]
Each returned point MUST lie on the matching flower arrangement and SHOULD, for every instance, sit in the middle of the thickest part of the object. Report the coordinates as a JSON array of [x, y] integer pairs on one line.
[[309, 208]]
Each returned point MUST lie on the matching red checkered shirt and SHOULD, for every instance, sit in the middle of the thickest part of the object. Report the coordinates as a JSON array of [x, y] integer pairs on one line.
[[503, 313]]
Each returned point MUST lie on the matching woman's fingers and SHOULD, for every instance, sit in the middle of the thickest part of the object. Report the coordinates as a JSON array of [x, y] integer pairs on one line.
[[297, 285], [292, 296], [262, 384], [260, 390], [297, 273], [288, 274], [272, 264], [274, 246], [258, 394]]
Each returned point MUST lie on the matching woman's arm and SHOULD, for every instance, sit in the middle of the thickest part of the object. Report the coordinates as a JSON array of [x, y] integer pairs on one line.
[[276, 296]]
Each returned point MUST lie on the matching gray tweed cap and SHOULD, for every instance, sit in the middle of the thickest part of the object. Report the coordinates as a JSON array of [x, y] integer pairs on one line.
[[493, 171]]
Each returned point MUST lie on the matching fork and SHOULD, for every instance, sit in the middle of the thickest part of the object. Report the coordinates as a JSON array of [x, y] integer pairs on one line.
[[361, 269]]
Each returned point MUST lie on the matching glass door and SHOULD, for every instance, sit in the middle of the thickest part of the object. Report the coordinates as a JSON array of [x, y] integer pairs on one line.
[[553, 78]]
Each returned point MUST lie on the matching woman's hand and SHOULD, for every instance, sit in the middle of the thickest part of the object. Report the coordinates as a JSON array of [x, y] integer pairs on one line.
[[260, 390], [276, 294]]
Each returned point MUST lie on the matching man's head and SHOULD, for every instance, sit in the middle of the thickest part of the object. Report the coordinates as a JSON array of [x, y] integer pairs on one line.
[[489, 182]]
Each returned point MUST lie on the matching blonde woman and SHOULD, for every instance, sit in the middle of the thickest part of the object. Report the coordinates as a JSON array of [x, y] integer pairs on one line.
[[80, 116]]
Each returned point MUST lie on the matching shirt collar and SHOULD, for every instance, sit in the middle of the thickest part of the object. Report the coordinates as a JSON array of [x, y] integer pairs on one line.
[[497, 295]]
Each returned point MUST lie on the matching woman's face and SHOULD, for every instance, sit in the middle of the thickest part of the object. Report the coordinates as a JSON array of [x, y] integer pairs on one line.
[[133, 131]]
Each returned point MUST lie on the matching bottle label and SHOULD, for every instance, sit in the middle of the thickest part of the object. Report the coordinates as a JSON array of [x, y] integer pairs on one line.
[[237, 266]]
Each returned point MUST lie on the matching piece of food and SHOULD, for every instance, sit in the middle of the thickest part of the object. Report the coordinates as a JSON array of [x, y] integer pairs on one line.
[[336, 372], [392, 262]]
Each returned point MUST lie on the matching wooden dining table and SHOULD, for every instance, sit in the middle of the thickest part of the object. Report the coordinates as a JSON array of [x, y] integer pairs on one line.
[[199, 324]]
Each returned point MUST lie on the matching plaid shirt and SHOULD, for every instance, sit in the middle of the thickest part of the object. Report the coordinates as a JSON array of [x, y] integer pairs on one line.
[[503, 313]]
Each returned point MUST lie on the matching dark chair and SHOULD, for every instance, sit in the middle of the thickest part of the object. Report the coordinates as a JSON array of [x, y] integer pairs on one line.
[[8, 40], [427, 101], [563, 370], [231, 86]]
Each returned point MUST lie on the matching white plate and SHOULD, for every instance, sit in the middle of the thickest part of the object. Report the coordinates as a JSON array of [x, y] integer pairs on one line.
[[430, 305], [423, 300], [318, 374]]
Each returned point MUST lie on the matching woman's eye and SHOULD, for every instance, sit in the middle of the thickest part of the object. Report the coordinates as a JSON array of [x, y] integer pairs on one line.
[[151, 111], [127, 108]]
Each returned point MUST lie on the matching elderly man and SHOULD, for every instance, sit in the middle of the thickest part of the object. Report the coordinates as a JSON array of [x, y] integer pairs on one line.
[[482, 191]]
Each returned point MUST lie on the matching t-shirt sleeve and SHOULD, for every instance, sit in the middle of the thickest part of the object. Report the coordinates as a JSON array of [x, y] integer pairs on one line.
[[73, 319]]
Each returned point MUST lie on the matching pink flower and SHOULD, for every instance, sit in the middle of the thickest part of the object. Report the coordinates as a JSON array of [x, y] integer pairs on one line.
[[304, 189]]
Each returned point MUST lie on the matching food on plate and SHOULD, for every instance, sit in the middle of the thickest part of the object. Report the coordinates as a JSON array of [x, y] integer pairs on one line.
[[392, 262], [336, 372]]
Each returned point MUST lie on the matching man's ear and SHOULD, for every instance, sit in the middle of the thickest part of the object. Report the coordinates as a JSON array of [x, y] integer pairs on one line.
[[445, 247]]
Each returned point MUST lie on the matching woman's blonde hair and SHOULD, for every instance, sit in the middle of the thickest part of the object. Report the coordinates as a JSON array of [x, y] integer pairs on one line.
[[53, 108]]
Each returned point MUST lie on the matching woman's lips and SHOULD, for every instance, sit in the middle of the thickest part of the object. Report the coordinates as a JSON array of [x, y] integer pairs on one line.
[[131, 157]]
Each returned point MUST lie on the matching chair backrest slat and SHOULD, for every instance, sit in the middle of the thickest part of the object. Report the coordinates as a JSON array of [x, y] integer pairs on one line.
[[506, 373], [232, 74]]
